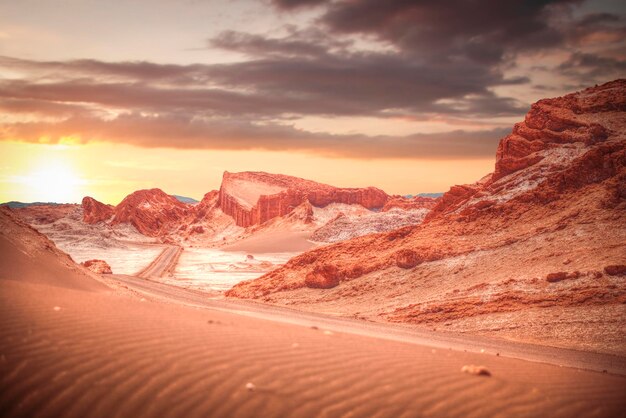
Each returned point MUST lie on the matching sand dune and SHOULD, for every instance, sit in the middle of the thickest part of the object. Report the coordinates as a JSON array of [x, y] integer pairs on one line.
[[28, 256], [113, 355]]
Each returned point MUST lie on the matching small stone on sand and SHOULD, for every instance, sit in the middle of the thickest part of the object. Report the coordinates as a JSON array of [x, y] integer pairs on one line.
[[57, 308], [482, 350], [250, 386], [476, 370]]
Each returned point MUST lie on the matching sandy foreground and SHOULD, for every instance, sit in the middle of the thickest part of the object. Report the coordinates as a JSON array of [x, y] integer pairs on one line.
[[75, 345], [67, 352]]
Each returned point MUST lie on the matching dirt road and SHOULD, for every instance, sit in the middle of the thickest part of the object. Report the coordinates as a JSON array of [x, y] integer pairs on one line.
[[163, 264], [441, 340]]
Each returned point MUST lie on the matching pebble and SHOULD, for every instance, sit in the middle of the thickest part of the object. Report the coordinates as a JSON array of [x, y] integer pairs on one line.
[[250, 386], [57, 308], [476, 370]]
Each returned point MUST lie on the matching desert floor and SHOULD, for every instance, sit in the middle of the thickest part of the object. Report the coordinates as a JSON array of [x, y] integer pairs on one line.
[[142, 348]]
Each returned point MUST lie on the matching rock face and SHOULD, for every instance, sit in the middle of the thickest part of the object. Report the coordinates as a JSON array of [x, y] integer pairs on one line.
[[152, 212], [343, 227], [556, 197], [253, 198], [97, 266], [553, 137], [94, 211]]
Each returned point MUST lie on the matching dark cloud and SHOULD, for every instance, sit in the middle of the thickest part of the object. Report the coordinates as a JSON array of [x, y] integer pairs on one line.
[[413, 59], [294, 4], [591, 67], [379, 85], [456, 30], [309, 43]]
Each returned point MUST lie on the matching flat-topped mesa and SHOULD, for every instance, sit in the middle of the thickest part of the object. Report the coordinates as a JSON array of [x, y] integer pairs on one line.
[[253, 198], [94, 211], [153, 212]]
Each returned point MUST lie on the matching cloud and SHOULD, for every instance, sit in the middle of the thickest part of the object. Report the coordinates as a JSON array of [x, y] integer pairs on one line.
[[194, 133], [409, 59], [295, 4], [454, 30], [373, 84], [591, 67]]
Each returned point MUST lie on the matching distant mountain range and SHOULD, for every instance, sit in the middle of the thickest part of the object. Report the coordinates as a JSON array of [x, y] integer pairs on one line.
[[433, 195], [16, 205], [184, 199]]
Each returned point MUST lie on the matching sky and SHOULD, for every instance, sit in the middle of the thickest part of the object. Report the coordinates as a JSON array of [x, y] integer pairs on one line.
[[102, 98]]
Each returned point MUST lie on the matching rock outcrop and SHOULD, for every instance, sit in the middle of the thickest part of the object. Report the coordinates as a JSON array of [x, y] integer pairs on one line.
[[253, 198], [94, 211], [97, 266], [323, 277], [344, 227], [153, 212]]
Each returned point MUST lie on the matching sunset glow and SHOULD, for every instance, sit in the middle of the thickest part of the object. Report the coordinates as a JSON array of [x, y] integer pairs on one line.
[[52, 183], [412, 103]]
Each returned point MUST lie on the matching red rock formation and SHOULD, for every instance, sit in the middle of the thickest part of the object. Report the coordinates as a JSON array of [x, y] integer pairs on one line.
[[45, 213], [323, 277], [407, 259], [560, 173], [94, 211], [253, 198], [208, 203], [415, 202], [554, 132], [97, 266], [152, 212], [615, 270]]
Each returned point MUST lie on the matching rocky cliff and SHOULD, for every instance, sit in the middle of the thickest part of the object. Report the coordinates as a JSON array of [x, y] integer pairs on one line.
[[488, 253], [253, 198], [153, 212], [94, 211]]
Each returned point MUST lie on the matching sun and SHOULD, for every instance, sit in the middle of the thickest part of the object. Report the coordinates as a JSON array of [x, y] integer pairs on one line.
[[53, 182]]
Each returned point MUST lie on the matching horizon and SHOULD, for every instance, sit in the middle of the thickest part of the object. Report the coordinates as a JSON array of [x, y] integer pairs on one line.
[[344, 93], [176, 195]]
